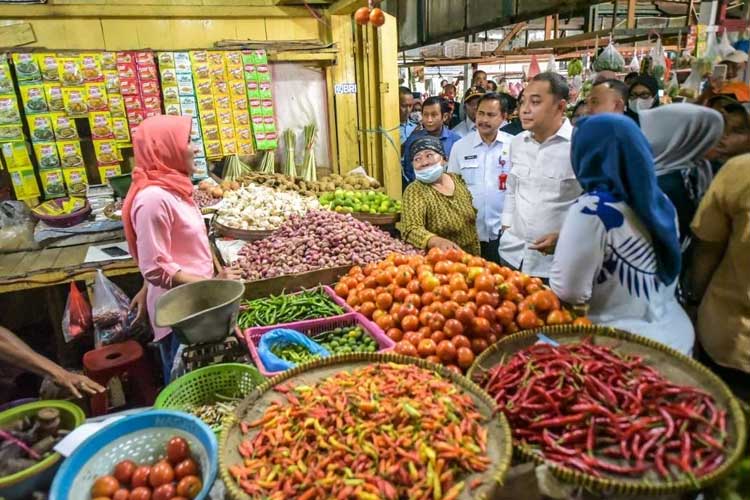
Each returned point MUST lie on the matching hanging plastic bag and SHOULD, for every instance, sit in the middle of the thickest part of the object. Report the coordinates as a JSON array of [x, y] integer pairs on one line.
[[77, 316], [691, 87], [635, 64], [659, 63], [725, 46], [533, 68], [610, 60], [551, 64], [280, 337], [16, 227], [712, 48], [109, 311]]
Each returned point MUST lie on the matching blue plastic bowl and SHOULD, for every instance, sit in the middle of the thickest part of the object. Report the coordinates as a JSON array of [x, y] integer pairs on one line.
[[142, 438]]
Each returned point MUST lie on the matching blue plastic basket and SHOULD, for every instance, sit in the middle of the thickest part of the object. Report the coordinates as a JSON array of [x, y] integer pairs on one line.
[[141, 438]]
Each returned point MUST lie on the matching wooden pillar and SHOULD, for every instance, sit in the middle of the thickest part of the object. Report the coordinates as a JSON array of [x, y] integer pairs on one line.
[[614, 14], [631, 14], [548, 26]]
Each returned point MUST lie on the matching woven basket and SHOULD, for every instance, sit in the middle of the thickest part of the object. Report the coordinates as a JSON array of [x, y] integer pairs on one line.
[[377, 219], [499, 437], [673, 365], [201, 386], [240, 234], [39, 476], [312, 328]]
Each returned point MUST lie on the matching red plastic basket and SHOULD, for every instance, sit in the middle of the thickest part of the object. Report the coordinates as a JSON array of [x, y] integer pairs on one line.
[[371, 325], [311, 328]]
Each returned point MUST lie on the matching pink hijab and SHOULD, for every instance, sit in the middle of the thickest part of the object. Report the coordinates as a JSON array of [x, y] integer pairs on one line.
[[159, 145]]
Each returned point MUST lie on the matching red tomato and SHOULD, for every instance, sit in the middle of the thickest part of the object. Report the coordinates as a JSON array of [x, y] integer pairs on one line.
[[385, 322], [400, 294], [177, 450], [433, 359], [458, 282], [487, 312], [426, 348], [483, 298], [460, 297], [105, 486], [427, 298], [189, 486], [555, 318], [528, 319], [384, 301], [121, 494], [341, 290], [429, 282], [425, 317], [410, 323], [504, 315], [140, 476], [484, 282], [367, 308], [413, 299], [140, 493], [480, 327], [187, 467], [465, 357], [452, 328], [461, 341], [465, 315], [406, 348], [164, 492], [394, 334], [582, 321], [446, 351], [437, 322], [414, 287], [478, 346], [414, 338], [455, 369], [437, 336], [161, 473], [377, 17], [124, 471]]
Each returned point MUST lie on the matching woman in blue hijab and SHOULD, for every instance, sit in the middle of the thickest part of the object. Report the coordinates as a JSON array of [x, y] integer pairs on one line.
[[619, 249]]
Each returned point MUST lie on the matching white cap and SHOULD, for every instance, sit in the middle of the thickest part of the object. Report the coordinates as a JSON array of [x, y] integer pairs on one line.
[[737, 56]]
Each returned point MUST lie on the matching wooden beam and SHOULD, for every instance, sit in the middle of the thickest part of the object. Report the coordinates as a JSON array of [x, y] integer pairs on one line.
[[509, 37], [632, 4], [548, 23], [346, 6], [619, 35], [154, 11], [302, 57], [16, 35]]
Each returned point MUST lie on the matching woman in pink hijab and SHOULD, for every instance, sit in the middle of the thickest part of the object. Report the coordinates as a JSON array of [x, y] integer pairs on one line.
[[164, 228]]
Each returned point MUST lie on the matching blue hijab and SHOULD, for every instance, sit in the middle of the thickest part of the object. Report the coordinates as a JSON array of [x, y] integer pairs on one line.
[[610, 154]]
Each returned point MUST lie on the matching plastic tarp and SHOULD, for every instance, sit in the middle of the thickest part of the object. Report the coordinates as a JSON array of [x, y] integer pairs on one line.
[[301, 98]]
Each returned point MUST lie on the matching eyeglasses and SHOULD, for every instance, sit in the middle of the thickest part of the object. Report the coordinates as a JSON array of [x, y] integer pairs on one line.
[[642, 95]]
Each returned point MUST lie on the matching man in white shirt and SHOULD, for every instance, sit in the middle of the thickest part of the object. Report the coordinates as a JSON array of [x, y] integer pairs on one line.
[[471, 102], [482, 159], [542, 184]]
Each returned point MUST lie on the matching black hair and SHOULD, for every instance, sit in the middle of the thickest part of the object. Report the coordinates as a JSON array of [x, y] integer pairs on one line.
[[440, 101], [478, 71], [578, 106], [449, 85], [404, 91], [618, 87], [494, 96], [492, 83], [510, 103], [737, 109], [632, 74], [558, 86]]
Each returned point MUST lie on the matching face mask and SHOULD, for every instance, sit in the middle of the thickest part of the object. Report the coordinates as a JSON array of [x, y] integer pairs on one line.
[[429, 175], [416, 116], [641, 104]]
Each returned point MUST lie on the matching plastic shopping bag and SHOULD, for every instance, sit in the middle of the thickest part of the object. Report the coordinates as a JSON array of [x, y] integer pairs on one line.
[[551, 64], [77, 316], [635, 64], [610, 60], [16, 227], [533, 68], [109, 310], [281, 336], [725, 46], [712, 48], [659, 67]]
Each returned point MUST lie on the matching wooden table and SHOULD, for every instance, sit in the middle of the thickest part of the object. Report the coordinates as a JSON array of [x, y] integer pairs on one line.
[[55, 266]]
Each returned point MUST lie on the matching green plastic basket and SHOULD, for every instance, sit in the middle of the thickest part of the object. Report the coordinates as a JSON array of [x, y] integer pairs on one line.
[[38, 476], [201, 386]]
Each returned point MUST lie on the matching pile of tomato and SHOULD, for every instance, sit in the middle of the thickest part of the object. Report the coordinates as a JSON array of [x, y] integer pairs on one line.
[[449, 306], [176, 477]]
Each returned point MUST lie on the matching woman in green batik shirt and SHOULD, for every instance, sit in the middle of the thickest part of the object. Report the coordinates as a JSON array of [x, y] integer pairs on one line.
[[437, 210]]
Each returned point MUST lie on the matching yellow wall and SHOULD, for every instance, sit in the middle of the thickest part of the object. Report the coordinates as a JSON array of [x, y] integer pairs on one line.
[[366, 56]]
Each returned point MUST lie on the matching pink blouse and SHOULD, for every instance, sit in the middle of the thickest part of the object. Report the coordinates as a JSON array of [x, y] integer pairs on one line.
[[171, 237]]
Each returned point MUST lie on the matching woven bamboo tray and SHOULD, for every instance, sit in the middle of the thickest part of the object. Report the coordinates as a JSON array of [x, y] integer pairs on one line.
[[240, 234], [673, 365], [499, 437], [377, 219]]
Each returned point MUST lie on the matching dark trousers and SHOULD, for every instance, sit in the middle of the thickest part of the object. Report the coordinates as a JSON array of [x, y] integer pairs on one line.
[[490, 250]]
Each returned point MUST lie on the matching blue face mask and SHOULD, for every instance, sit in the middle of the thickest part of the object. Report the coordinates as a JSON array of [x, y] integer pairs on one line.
[[429, 175]]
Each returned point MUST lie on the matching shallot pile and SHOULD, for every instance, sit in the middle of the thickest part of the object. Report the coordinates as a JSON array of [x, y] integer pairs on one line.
[[317, 240]]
